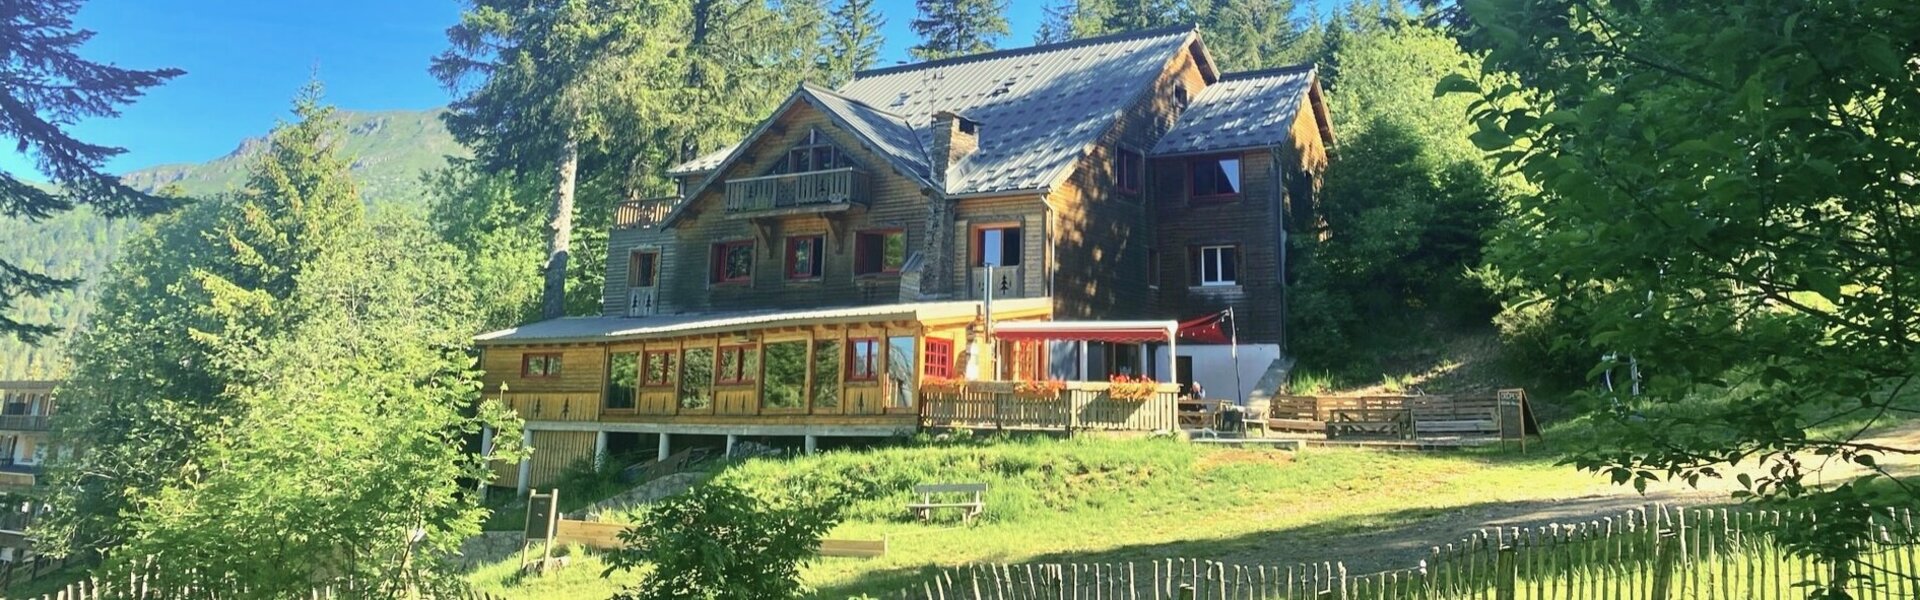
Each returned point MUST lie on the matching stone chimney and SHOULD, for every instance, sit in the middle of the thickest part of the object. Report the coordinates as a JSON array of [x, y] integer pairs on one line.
[[954, 137]]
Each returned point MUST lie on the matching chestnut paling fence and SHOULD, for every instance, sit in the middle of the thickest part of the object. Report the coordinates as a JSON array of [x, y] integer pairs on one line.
[[1650, 554]]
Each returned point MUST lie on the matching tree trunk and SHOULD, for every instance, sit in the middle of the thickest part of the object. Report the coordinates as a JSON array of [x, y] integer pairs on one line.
[[553, 297]]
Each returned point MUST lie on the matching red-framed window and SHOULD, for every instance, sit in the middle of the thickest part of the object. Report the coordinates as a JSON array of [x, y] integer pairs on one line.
[[733, 262], [805, 256], [736, 365], [657, 369], [1128, 170], [540, 365], [939, 357], [879, 251], [1214, 179], [643, 269], [863, 359], [996, 245]]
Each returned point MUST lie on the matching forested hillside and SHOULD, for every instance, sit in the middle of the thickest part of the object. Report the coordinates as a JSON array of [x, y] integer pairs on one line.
[[390, 152]]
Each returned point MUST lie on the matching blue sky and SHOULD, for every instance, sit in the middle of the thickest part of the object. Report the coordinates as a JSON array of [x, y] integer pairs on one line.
[[246, 58]]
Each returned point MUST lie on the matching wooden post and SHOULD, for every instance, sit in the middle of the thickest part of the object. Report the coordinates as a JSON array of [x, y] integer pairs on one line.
[[1507, 574]]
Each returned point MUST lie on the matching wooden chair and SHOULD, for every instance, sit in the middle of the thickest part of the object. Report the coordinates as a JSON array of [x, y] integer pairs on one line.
[[1257, 413]]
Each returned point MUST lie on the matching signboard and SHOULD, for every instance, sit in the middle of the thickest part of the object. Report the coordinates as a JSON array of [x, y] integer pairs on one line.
[[542, 511]]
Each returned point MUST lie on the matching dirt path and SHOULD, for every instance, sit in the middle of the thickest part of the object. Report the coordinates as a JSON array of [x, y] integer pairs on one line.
[[1404, 545]]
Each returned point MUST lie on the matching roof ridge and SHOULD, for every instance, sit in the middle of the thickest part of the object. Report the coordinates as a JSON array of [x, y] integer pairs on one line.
[[1024, 50], [1289, 69], [817, 89]]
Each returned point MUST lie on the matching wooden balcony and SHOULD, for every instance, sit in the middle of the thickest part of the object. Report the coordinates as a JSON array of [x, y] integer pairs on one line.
[[831, 190], [633, 214], [1082, 406]]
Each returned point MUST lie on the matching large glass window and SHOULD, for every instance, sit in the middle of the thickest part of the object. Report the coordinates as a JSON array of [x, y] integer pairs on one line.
[[733, 262], [785, 383], [879, 252], [996, 246], [623, 370], [815, 152], [900, 354], [826, 374], [696, 378], [1215, 178]]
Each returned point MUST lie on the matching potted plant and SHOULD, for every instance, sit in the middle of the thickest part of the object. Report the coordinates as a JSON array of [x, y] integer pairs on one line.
[[1132, 389], [1042, 389], [942, 384]]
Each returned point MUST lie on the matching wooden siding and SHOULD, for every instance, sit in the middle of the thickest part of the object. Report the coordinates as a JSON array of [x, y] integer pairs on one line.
[[1101, 235], [1250, 223], [1029, 213], [554, 452], [582, 369], [896, 202]]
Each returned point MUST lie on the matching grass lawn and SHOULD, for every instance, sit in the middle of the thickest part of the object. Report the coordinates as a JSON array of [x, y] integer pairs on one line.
[[1106, 500]]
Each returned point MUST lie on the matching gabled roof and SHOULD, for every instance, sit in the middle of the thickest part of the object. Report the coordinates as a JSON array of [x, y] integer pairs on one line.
[[887, 134], [1039, 108], [1243, 110], [607, 329]]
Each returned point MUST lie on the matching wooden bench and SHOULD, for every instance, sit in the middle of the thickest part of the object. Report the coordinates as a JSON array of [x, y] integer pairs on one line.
[[936, 496]]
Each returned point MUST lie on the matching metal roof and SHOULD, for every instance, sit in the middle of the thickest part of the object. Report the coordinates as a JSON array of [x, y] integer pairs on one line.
[[607, 329], [1039, 108], [1242, 110]]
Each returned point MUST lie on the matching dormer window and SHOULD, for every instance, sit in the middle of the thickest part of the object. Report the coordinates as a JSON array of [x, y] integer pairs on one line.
[[816, 152], [1180, 96]]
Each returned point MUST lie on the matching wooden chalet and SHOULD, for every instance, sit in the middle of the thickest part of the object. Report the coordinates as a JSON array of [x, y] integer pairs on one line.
[[811, 279]]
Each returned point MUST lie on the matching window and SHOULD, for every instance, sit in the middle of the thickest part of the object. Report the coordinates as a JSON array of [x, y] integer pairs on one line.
[[1214, 266], [1153, 268], [900, 370], [785, 383], [996, 246], [738, 365], [863, 359], [1215, 178], [814, 153], [804, 256], [622, 373], [643, 269], [1127, 169], [733, 262], [696, 379], [939, 360], [540, 366], [826, 375], [879, 252], [1180, 96], [659, 367]]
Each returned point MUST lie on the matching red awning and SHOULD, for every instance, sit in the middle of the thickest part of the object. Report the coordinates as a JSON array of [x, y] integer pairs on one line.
[[1206, 329], [1124, 332]]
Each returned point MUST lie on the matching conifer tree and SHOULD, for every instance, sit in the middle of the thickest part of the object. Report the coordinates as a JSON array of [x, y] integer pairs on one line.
[[1102, 17], [47, 87], [950, 28], [143, 399], [1253, 34], [1056, 22], [853, 40]]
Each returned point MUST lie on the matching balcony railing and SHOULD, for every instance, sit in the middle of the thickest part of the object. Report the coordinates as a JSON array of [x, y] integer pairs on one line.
[[641, 213], [1079, 406], [813, 190], [23, 422]]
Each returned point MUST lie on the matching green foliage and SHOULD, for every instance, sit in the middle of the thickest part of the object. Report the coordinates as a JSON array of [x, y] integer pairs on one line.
[[728, 542], [1726, 197], [49, 86], [853, 40], [1405, 207], [949, 28]]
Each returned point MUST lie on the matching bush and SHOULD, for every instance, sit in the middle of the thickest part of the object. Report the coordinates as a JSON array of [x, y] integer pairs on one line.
[[724, 542]]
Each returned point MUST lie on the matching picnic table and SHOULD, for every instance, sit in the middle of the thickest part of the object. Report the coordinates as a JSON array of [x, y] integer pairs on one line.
[[1370, 421], [1200, 413]]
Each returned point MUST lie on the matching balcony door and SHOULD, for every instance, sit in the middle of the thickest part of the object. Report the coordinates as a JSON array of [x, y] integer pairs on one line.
[[643, 283]]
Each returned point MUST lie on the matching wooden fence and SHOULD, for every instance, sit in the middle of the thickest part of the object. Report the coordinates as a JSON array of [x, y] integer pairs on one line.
[[1504, 415], [136, 589], [1653, 554], [1080, 406]]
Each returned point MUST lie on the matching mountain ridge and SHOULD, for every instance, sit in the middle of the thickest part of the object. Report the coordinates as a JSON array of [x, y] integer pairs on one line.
[[390, 149]]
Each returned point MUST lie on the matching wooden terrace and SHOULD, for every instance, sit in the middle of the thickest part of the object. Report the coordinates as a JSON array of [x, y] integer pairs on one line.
[[1077, 407]]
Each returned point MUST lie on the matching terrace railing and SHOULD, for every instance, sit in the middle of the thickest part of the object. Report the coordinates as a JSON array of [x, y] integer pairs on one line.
[[812, 190], [641, 213], [24, 422], [1080, 406]]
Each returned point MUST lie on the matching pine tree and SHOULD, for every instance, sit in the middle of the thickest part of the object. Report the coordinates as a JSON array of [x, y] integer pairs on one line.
[[853, 40], [1101, 17], [1253, 34], [950, 28], [48, 86], [1056, 22], [144, 400]]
